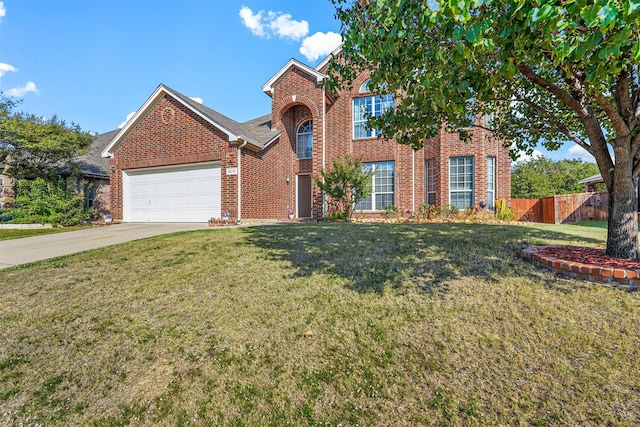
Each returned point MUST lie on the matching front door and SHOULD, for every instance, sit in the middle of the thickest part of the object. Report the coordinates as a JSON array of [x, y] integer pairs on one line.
[[304, 196]]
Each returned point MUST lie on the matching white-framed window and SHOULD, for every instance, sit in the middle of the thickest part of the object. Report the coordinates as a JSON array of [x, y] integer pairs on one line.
[[368, 106], [431, 182], [304, 140], [491, 182], [382, 184], [461, 182]]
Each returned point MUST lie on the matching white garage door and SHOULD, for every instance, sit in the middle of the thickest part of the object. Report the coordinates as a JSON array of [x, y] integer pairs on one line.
[[176, 194]]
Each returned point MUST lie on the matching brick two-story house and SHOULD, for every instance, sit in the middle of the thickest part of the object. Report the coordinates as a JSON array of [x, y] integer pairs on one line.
[[178, 161]]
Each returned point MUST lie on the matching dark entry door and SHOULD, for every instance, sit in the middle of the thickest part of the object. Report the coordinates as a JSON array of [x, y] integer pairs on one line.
[[304, 196]]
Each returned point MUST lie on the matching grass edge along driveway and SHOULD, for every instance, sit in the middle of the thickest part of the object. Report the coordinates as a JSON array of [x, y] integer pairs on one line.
[[436, 324]]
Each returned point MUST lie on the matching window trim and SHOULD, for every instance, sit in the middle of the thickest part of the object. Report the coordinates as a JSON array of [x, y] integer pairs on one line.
[[491, 179], [430, 171], [471, 191], [374, 166], [309, 135], [384, 100]]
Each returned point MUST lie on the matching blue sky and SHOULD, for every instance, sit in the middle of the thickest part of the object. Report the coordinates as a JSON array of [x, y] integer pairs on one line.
[[93, 62]]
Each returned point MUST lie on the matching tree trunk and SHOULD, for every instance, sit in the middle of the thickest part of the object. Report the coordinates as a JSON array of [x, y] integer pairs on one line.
[[622, 236]]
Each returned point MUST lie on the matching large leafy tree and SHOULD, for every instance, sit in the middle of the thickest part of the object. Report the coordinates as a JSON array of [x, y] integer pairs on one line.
[[547, 72], [34, 147], [543, 177], [35, 152]]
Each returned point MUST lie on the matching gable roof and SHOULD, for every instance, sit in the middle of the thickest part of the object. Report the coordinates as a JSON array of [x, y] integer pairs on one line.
[[255, 136], [293, 63]]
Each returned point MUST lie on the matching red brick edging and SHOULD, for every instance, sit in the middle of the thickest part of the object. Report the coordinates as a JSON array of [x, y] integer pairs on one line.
[[590, 272]]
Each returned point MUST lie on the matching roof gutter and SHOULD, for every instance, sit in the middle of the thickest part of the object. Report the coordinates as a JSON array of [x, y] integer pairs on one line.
[[246, 140]]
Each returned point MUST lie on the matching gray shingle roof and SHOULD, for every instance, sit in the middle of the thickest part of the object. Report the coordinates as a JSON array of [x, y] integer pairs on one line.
[[93, 164], [262, 130]]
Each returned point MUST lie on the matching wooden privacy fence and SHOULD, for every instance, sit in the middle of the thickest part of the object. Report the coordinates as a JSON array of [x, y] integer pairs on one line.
[[563, 208]]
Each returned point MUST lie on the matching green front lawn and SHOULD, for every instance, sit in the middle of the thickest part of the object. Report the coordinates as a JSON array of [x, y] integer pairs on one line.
[[413, 324], [18, 233]]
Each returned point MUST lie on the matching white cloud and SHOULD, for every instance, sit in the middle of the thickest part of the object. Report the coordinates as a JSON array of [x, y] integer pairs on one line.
[[21, 91], [253, 22], [580, 153], [197, 99], [3, 10], [273, 24], [5, 68], [285, 27], [320, 44], [524, 157], [121, 125]]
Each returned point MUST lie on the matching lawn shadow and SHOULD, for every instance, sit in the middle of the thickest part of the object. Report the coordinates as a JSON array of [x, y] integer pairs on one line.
[[425, 257]]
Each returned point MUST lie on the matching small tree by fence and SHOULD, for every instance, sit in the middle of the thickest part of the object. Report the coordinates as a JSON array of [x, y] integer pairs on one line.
[[563, 208]]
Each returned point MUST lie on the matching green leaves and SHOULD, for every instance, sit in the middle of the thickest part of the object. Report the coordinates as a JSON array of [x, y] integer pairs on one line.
[[543, 177], [540, 13], [473, 33], [459, 47], [548, 70], [345, 184], [32, 146]]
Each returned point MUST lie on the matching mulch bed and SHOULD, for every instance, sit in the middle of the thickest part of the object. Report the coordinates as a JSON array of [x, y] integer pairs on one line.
[[586, 255]]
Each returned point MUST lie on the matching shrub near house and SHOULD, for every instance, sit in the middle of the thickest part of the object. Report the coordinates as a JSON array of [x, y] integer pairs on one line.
[[40, 202]]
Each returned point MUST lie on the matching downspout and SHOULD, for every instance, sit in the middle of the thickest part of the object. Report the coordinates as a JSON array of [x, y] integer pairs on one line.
[[239, 215], [324, 113]]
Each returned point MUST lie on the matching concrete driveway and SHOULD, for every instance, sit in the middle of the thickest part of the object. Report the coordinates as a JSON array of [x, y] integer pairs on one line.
[[30, 249]]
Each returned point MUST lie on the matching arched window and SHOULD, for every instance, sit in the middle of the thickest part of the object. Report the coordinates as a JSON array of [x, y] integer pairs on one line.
[[364, 87], [304, 140]]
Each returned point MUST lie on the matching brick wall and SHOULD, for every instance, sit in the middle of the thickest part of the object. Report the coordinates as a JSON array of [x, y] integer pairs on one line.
[[101, 196], [171, 134], [265, 192], [295, 87]]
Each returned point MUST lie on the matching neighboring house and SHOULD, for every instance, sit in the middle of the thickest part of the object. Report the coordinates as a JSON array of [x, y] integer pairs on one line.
[[6, 186], [591, 182], [93, 178], [178, 161], [94, 171]]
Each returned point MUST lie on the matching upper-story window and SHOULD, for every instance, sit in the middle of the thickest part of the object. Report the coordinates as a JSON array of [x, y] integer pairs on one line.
[[363, 107], [304, 140]]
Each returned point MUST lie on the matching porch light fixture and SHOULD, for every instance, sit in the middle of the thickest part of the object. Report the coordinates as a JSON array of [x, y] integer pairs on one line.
[[287, 179]]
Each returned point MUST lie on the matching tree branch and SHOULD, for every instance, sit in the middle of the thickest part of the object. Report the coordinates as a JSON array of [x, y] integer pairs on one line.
[[617, 113], [562, 128], [621, 95], [563, 96]]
